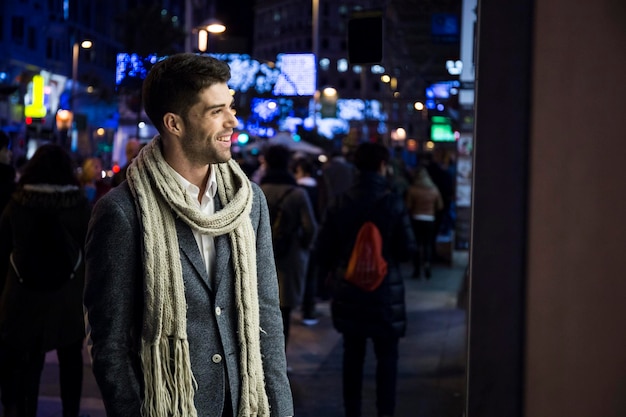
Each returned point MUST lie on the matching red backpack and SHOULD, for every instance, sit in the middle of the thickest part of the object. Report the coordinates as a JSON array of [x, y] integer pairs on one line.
[[367, 267]]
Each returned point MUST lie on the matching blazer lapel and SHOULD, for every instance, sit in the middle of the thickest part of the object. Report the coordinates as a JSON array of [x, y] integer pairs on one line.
[[189, 247]]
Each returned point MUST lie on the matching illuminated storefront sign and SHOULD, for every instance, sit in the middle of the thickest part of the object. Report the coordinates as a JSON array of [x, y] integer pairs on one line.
[[35, 98]]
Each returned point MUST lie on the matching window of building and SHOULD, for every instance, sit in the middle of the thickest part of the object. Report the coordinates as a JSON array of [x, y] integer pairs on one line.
[[86, 13], [32, 38], [17, 29], [101, 25], [49, 48]]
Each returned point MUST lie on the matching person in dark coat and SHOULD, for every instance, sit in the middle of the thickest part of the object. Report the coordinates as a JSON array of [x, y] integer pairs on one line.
[[299, 216], [35, 315], [379, 315], [304, 172], [7, 171]]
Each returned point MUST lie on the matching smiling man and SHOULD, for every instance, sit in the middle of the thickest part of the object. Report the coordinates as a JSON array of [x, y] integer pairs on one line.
[[181, 288]]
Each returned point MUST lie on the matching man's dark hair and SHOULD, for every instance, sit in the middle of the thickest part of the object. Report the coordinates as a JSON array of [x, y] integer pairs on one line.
[[277, 157], [173, 84], [304, 164], [368, 156]]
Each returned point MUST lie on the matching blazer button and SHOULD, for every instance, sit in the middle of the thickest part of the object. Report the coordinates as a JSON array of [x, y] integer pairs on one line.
[[218, 311], [217, 358]]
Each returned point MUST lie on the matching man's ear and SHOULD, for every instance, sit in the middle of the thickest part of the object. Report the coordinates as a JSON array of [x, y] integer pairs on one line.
[[173, 124]]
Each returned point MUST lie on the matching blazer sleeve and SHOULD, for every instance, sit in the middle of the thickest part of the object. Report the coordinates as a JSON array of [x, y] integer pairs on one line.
[[113, 303], [272, 338]]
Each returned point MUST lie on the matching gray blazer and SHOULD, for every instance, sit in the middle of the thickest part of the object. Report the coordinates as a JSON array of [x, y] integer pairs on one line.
[[114, 303]]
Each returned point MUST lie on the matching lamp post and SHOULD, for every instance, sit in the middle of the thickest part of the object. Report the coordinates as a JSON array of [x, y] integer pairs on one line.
[[86, 44], [214, 27], [315, 35]]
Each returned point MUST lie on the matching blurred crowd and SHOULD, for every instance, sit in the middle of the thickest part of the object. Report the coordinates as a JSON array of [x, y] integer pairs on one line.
[[322, 198]]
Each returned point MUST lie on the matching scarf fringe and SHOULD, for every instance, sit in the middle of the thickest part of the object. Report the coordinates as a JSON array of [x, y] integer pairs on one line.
[[170, 390]]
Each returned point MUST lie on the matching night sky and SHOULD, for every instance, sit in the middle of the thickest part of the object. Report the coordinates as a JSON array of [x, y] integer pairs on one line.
[[237, 15]]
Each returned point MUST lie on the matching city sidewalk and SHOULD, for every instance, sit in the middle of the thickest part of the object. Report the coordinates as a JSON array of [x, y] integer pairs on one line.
[[431, 377], [431, 370]]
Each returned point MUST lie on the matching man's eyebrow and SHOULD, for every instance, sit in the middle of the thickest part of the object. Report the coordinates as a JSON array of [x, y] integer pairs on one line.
[[217, 106], [214, 106]]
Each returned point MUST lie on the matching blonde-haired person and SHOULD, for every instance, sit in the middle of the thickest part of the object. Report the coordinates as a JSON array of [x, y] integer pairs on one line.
[[91, 181], [423, 201]]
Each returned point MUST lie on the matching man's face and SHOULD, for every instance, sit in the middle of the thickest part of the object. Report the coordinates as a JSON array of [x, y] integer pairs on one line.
[[209, 126]]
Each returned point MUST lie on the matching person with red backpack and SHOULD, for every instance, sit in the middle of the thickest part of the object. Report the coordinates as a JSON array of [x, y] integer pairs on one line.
[[362, 306]]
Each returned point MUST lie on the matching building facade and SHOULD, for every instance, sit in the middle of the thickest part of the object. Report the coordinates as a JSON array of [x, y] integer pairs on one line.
[[413, 56], [45, 67]]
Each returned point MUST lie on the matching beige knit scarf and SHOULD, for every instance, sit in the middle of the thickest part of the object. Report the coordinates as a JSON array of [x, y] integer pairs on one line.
[[169, 382]]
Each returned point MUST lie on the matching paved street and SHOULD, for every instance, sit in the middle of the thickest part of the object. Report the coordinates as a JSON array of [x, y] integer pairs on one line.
[[431, 369]]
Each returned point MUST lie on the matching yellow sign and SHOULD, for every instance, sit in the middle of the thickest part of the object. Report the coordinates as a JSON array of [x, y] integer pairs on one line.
[[36, 107]]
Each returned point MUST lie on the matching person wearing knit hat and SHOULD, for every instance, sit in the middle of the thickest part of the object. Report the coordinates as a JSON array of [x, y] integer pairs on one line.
[[181, 290]]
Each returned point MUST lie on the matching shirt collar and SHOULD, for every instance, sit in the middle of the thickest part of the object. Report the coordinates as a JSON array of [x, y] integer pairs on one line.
[[211, 188]]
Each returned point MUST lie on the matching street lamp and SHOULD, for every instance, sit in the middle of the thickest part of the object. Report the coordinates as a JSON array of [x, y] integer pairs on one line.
[[86, 44], [214, 27]]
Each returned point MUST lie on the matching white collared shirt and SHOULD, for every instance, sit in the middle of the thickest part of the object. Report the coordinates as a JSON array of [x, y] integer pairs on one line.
[[206, 244]]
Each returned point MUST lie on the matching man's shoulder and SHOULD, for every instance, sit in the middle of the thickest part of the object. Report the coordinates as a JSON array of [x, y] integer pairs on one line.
[[257, 191], [258, 196], [119, 176], [118, 196]]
